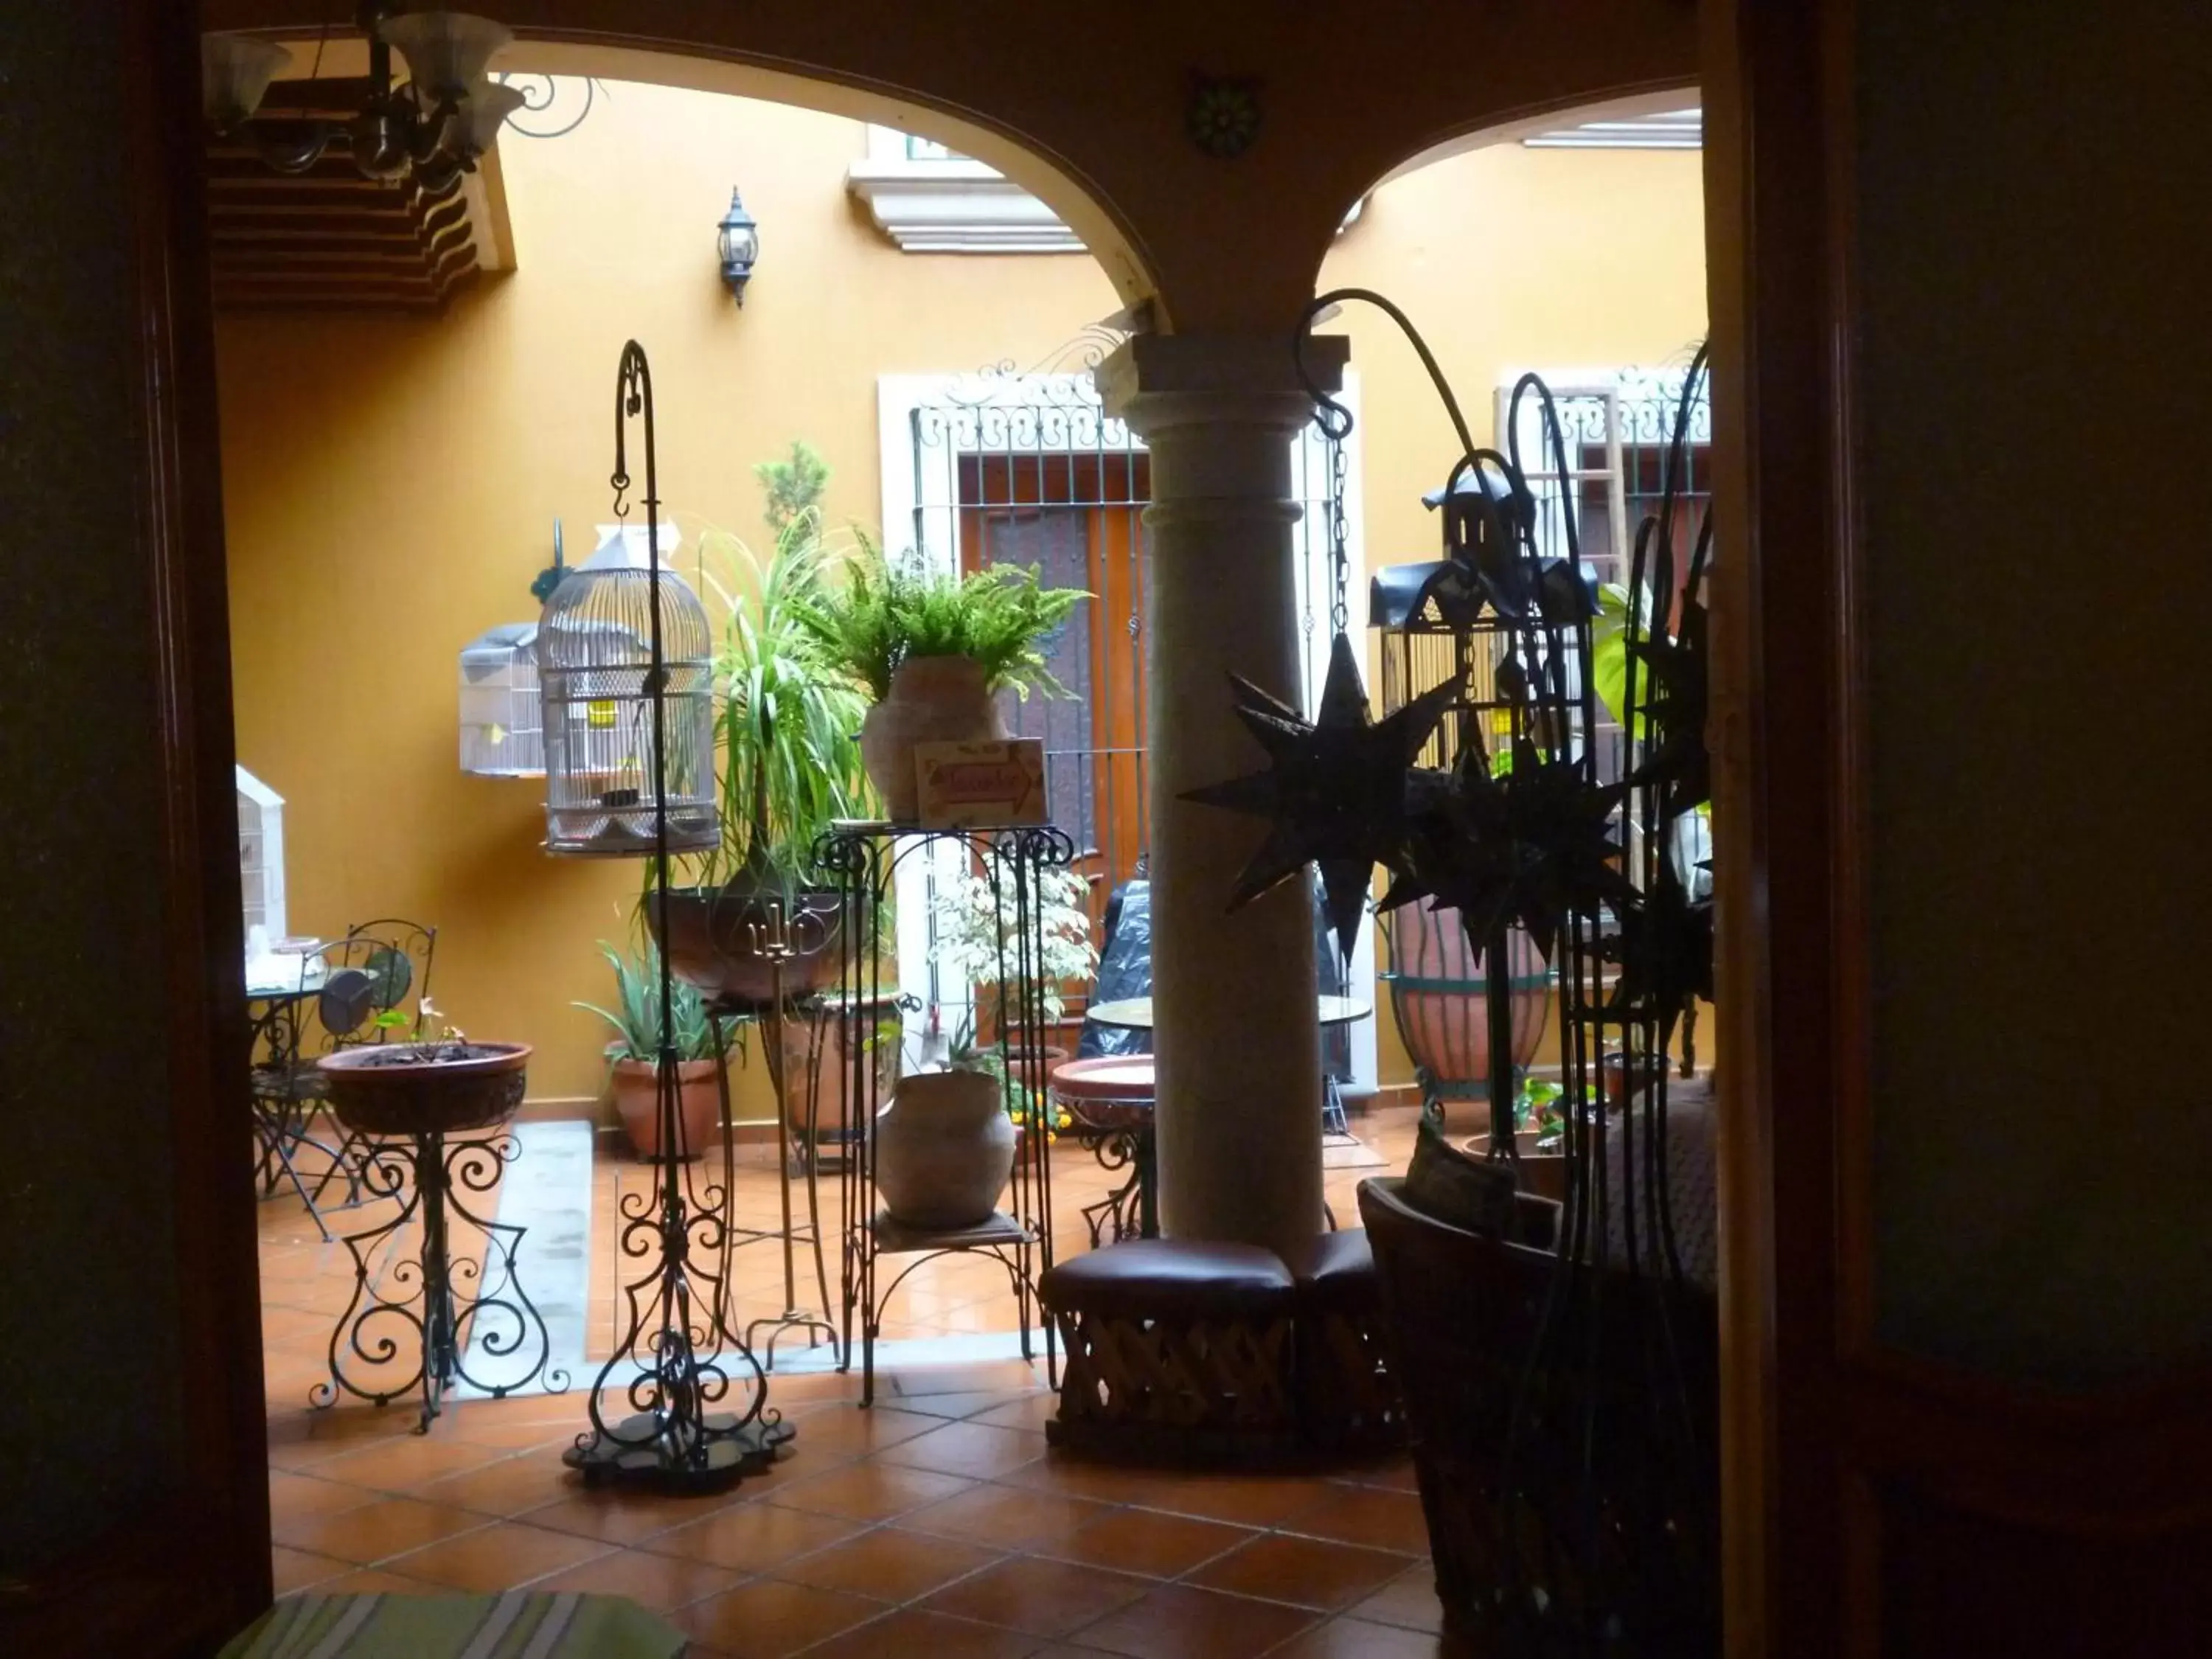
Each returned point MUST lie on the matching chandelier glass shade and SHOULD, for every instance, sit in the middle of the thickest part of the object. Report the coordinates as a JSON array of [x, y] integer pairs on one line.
[[433, 126]]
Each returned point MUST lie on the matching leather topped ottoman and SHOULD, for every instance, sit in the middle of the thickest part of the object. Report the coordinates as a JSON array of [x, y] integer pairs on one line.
[[1176, 1351]]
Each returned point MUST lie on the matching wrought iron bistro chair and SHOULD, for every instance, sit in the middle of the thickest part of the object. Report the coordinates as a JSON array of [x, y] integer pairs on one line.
[[362, 989]]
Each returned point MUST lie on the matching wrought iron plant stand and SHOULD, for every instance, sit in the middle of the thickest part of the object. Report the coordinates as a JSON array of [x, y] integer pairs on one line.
[[863, 859], [450, 1305], [679, 1357]]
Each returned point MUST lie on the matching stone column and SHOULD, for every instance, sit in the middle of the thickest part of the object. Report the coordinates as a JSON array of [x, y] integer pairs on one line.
[[1239, 1053]]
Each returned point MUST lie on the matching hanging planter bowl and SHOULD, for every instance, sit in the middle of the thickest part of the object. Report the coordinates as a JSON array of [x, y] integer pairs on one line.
[[425, 1088], [932, 699], [709, 934]]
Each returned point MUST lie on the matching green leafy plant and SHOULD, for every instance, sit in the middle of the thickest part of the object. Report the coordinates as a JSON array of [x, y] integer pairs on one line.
[[788, 764], [974, 944], [635, 1015], [887, 614]]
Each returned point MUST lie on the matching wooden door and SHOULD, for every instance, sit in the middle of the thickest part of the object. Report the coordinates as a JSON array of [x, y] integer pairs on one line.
[[135, 1519], [1935, 271]]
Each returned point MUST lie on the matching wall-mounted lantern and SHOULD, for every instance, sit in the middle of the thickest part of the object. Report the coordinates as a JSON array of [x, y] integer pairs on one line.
[[740, 244]]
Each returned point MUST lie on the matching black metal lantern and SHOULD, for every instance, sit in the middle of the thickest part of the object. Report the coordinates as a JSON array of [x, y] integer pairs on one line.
[[739, 241]]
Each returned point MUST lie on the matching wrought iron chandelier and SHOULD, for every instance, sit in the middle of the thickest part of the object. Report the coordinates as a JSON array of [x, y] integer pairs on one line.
[[433, 126]]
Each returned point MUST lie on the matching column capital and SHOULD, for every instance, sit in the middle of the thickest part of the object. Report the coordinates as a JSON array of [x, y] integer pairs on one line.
[[1160, 381]]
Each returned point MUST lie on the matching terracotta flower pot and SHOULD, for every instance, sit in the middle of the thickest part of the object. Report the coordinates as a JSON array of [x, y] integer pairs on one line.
[[698, 1105], [944, 1148], [932, 699], [414, 1089]]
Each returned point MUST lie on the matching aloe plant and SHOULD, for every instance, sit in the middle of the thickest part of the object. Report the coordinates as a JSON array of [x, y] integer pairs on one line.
[[635, 1015]]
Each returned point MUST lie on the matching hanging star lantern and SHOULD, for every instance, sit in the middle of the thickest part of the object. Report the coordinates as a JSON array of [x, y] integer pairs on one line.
[[1676, 710], [1336, 790], [1665, 951], [1530, 846]]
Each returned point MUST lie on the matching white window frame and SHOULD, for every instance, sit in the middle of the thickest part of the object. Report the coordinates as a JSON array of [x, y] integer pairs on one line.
[[899, 398]]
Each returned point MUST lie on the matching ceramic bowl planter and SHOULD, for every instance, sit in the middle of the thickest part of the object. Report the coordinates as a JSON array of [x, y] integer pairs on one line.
[[932, 699], [698, 1105], [944, 1149], [425, 1088], [708, 933]]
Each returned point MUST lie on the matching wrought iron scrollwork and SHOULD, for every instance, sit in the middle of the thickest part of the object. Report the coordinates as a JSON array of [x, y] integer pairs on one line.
[[465, 1317]]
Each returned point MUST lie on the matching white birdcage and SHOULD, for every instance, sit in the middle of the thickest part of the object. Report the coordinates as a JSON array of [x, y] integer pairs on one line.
[[499, 704], [261, 854], [595, 656]]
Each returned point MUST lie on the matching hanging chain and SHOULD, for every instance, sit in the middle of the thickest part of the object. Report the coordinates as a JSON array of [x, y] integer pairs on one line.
[[1339, 534]]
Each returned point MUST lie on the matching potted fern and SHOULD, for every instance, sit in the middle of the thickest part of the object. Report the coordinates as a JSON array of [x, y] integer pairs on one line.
[[934, 651]]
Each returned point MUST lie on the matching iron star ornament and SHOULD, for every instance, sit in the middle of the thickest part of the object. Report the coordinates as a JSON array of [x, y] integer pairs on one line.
[[1680, 761], [1335, 789], [1665, 952], [1528, 844]]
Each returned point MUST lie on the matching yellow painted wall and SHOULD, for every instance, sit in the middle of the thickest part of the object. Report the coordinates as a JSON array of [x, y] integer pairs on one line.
[[391, 483]]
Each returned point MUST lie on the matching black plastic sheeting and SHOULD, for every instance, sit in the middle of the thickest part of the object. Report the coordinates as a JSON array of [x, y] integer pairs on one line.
[[1125, 969]]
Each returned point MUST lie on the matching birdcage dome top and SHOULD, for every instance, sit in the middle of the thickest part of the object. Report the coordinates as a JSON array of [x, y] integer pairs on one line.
[[602, 619]]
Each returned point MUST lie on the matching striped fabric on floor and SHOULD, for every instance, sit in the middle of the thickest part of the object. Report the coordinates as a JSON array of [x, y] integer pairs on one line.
[[515, 1625]]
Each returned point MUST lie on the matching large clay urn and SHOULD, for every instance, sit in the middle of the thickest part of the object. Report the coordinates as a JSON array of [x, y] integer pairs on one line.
[[945, 1147], [932, 699]]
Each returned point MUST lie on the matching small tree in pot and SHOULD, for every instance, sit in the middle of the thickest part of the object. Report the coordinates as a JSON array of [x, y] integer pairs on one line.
[[934, 652]]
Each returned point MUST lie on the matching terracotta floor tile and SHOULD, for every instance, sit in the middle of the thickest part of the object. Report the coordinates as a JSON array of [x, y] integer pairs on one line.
[[1248, 1500], [405, 1466], [869, 1491], [1007, 1516], [966, 1405], [527, 1481], [388, 1526], [374, 1580], [1074, 1477], [1311, 1572], [1366, 1514], [912, 1633], [617, 1516], [769, 1619], [294, 1497], [1031, 1411], [1000, 1375], [1408, 1600], [1355, 1639], [297, 1569], [1046, 1598], [1146, 1542], [1396, 1474], [502, 1556], [975, 1449], [1177, 1622], [662, 1584], [840, 1431], [752, 1537], [889, 1565]]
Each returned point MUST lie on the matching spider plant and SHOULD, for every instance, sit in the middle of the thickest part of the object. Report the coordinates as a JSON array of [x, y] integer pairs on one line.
[[788, 763]]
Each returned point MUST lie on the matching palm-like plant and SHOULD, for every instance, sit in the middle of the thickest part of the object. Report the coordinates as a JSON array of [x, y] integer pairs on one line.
[[788, 764]]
